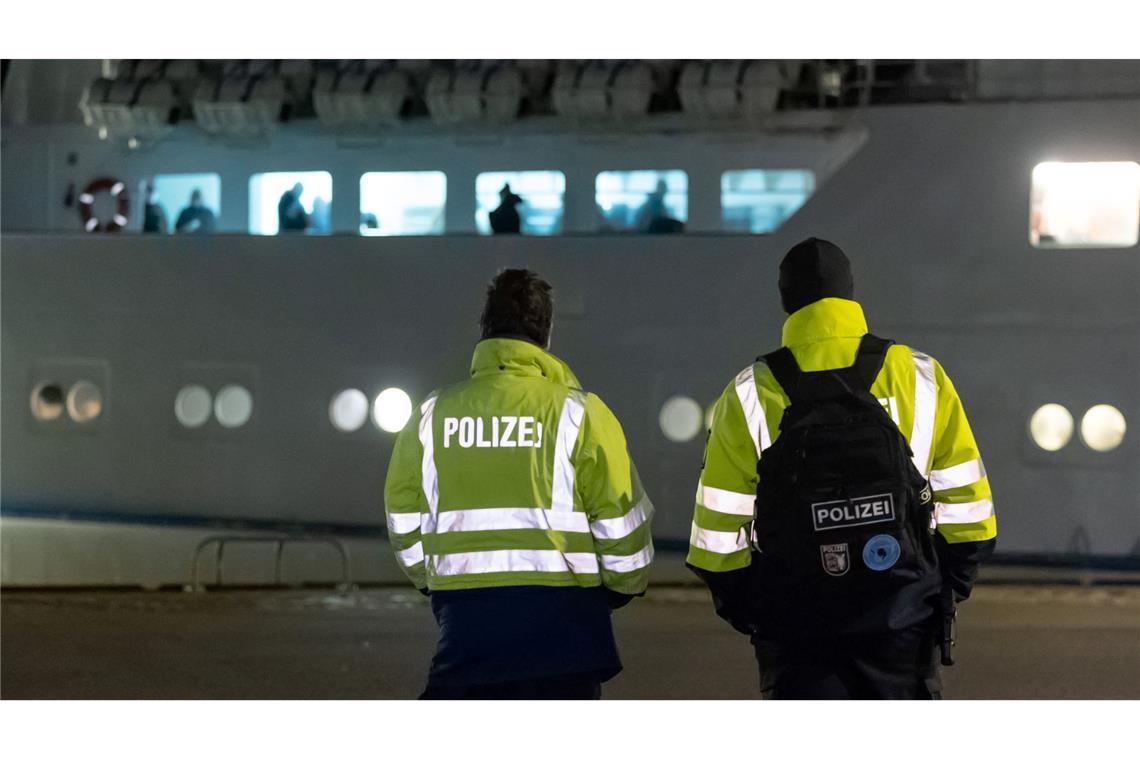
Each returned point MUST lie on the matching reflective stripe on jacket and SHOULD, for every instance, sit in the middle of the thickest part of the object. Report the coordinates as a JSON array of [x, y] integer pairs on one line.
[[912, 387], [517, 477]]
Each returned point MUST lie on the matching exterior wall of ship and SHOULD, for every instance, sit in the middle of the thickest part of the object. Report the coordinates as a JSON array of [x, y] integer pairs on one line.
[[933, 210]]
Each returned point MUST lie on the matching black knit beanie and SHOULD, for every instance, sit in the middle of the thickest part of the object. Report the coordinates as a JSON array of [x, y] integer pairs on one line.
[[812, 270]]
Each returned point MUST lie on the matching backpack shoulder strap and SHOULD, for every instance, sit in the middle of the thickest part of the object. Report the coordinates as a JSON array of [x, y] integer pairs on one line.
[[784, 368], [869, 360]]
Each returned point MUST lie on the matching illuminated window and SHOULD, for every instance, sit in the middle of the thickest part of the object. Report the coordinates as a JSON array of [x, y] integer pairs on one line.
[[402, 203], [541, 193], [1051, 427], [47, 402], [1102, 427], [290, 203], [348, 410], [182, 203], [84, 401], [759, 200], [1085, 205], [392, 410], [680, 419], [233, 406], [642, 201], [192, 406]]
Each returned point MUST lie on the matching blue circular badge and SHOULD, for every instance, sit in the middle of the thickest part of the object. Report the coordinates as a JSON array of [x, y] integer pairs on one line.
[[881, 552]]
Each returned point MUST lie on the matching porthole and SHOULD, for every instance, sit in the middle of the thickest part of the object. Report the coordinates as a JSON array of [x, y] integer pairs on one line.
[[1102, 427], [348, 410], [681, 419], [84, 401], [392, 410], [1051, 427], [47, 402], [233, 406], [192, 406]]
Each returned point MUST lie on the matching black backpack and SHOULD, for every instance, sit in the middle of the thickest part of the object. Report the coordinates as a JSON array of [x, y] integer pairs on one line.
[[842, 535]]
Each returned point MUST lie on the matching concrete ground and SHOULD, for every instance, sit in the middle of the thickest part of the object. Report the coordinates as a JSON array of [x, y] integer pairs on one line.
[[1016, 641]]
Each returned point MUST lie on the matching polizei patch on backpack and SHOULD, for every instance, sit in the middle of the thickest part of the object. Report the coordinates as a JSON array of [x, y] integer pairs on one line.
[[861, 510], [836, 559]]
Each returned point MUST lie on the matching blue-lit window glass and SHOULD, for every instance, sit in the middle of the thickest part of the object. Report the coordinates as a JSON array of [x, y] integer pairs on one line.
[[642, 201], [542, 199], [171, 194], [402, 203], [306, 212], [759, 200]]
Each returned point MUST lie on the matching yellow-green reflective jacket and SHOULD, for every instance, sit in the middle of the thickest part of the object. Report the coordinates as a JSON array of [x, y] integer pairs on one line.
[[514, 477], [912, 387]]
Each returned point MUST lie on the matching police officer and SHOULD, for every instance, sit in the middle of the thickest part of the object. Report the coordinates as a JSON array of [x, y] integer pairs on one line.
[[512, 502], [845, 595]]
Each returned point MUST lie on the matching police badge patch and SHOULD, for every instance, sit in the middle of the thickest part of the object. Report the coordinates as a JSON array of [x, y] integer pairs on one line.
[[836, 559], [881, 552]]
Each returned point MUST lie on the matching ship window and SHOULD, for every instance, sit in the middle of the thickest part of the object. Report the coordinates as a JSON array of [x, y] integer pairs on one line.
[[540, 205], [1085, 205], [402, 203], [642, 201], [759, 200], [184, 203], [290, 203]]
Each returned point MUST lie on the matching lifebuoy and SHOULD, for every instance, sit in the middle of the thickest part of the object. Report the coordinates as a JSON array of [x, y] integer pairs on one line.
[[118, 191]]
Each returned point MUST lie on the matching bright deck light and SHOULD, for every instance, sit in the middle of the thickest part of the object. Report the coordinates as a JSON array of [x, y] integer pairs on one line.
[[192, 406], [233, 407], [1102, 427], [348, 410], [391, 410], [84, 401], [681, 419], [1051, 427]]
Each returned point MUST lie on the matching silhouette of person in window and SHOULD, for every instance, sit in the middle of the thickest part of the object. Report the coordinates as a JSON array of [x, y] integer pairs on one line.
[[195, 218], [154, 216], [505, 219], [653, 218], [291, 216], [320, 220]]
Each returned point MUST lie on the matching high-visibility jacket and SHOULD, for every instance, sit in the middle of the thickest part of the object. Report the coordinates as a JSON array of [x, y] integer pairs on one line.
[[912, 387], [517, 477]]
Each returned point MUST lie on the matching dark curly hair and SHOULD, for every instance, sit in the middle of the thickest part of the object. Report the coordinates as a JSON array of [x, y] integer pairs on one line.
[[520, 304]]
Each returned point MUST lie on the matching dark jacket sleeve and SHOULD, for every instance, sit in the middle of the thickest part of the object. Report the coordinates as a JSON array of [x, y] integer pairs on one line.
[[731, 595], [960, 563], [617, 599]]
